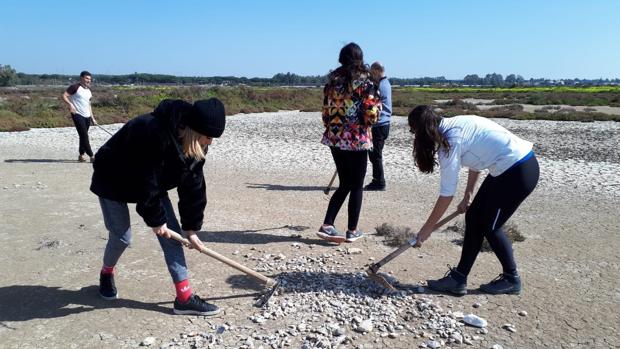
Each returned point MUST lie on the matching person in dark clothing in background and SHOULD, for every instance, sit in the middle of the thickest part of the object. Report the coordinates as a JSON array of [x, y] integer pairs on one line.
[[381, 129], [148, 156]]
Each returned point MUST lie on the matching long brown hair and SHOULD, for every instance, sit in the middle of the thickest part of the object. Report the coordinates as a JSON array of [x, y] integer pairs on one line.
[[352, 63], [424, 123]]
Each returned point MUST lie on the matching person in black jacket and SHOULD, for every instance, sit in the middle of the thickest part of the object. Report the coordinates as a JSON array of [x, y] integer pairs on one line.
[[148, 156]]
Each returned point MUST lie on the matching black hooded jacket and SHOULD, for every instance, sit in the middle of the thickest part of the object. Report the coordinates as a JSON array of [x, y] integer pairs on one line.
[[144, 160]]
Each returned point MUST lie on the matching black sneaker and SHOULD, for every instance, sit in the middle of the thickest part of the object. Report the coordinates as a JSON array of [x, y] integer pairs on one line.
[[503, 284], [375, 186], [449, 283], [107, 289], [330, 233], [195, 306], [354, 235]]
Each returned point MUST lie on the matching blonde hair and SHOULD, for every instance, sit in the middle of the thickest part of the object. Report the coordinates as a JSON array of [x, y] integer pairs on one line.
[[191, 145]]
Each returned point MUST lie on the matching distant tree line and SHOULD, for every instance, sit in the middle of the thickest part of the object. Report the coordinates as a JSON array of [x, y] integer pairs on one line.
[[9, 77]]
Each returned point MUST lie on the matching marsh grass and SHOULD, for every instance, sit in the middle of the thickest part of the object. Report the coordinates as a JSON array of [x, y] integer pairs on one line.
[[395, 236], [26, 107], [510, 228]]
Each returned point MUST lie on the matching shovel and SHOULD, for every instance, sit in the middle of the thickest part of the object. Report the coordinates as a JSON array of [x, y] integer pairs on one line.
[[269, 282], [374, 268]]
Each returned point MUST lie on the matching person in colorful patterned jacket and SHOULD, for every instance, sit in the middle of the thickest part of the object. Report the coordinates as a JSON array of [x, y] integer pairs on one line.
[[351, 105]]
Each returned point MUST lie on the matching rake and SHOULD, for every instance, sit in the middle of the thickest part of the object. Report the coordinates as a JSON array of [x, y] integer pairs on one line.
[[374, 268], [106, 131], [269, 282]]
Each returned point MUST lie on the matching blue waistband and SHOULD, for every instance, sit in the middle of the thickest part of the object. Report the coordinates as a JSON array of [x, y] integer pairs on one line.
[[523, 159]]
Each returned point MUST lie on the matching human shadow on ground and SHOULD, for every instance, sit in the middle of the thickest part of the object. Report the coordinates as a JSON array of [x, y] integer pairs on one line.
[[280, 187], [27, 302], [58, 161], [254, 236]]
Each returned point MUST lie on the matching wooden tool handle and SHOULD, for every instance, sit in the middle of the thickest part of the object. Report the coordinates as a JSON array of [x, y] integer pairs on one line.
[[267, 281], [331, 182]]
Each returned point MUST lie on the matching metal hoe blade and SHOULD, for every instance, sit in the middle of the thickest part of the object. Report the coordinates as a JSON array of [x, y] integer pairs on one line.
[[379, 279], [264, 298]]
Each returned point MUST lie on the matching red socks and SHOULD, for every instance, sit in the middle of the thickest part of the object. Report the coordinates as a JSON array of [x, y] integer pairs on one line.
[[184, 290]]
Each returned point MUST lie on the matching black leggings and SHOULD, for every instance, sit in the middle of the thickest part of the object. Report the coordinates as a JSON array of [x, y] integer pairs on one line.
[[379, 135], [351, 166], [82, 125], [497, 199]]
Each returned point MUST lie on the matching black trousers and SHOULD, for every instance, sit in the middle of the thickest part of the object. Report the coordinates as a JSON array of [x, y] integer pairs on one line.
[[379, 135], [351, 166], [497, 199], [82, 125]]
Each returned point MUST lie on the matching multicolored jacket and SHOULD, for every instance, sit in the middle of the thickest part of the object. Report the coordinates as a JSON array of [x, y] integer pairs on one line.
[[349, 111]]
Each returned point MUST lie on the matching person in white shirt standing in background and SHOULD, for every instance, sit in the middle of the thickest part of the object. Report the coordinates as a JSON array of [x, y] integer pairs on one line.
[[479, 144], [77, 97]]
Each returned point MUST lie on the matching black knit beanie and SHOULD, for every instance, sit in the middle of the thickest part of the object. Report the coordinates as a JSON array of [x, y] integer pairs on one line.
[[207, 117]]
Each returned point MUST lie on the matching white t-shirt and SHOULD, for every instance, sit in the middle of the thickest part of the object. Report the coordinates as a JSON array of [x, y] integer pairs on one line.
[[479, 144], [80, 98]]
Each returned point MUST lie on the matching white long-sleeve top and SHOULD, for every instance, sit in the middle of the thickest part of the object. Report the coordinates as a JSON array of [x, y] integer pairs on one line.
[[478, 144]]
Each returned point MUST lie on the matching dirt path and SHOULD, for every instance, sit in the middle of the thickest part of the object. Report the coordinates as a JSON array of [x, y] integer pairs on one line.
[[264, 188]]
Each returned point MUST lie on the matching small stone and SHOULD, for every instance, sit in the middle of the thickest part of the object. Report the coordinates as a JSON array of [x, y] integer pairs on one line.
[[458, 338], [337, 332], [476, 305], [497, 346], [148, 341], [509, 328], [474, 320], [354, 250], [483, 331], [433, 344], [523, 313], [458, 315], [365, 326]]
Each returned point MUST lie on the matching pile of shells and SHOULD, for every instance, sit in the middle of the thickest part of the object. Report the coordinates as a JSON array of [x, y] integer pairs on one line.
[[320, 305]]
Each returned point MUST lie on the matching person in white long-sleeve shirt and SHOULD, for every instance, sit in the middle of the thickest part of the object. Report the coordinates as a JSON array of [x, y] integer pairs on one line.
[[479, 144]]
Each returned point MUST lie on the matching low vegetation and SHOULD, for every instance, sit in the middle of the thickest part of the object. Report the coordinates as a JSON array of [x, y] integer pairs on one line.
[[395, 236], [26, 107], [510, 228]]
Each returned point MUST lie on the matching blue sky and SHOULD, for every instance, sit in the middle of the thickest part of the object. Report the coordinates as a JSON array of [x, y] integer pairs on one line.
[[543, 38]]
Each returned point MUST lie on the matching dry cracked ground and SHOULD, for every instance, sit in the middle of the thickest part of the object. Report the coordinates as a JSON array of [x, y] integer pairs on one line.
[[265, 178]]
